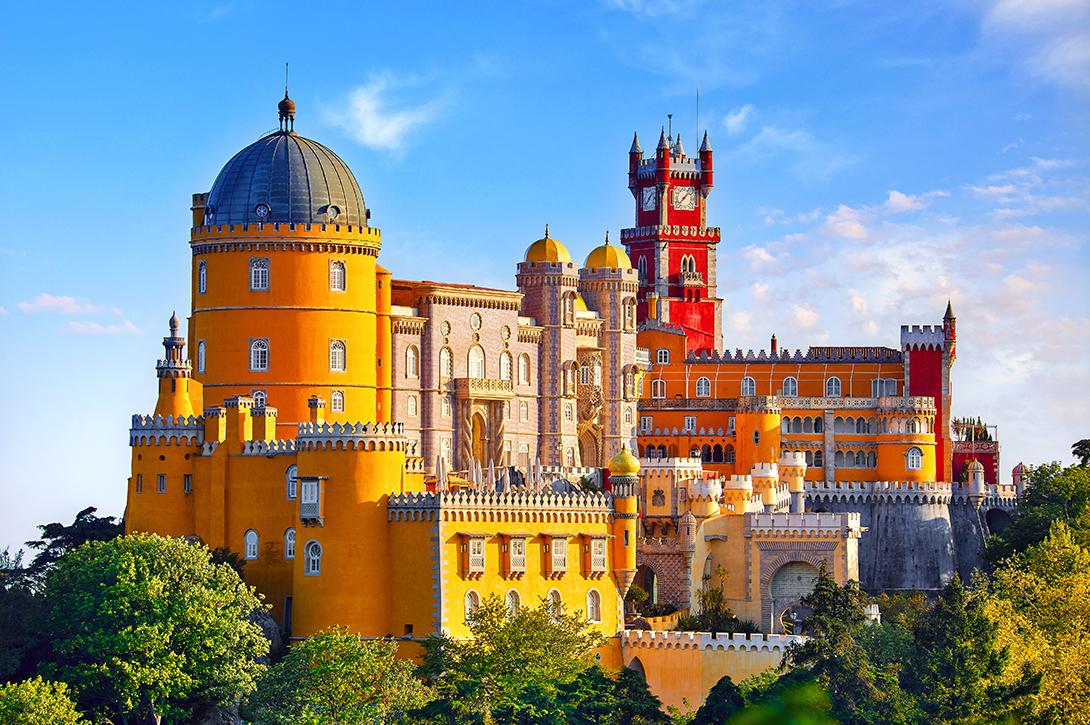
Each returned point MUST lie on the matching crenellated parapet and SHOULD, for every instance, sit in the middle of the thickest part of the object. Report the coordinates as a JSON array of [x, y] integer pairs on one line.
[[500, 506], [353, 436], [278, 447], [158, 430], [811, 525], [639, 638], [917, 492], [922, 337]]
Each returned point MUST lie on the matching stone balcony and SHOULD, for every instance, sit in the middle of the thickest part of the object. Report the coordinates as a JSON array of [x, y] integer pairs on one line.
[[482, 389]]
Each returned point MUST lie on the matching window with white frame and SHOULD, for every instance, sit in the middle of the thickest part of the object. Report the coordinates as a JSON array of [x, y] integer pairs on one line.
[[337, 277], [703, 388], [309, 492], [524, 411], [524, 369], [336, 401], [597, 555], [161, 483], [444, 449], [411, 405], [505, 365], [558, 550], [690, 423], [312, 558], [476, 362], [251, 541], [658, 388], [594, 606], [289, 544], [914, 459], [749, 386], [260, 398], [628, 416], [291, 477], [662, 356], [259, 354], [444, 407], [832, 387], [337, 356], [446, 363], [202, 277], [187, 483], [646, 423], [472, 601], [517, 552], [201, 352], [476, 555], [412, 362], [883, 386], [790, 388], [513, 603], [259, 274]]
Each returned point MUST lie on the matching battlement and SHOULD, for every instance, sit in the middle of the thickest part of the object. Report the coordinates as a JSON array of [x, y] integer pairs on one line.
[[353, 436], [706, 488], [259, 230], [822, 354], [521, 506], [795, 459], [810, 525], [636, 234], [766, 470], [280, 447], [640, 638], [739, 482], [922, 337], [158, 430]]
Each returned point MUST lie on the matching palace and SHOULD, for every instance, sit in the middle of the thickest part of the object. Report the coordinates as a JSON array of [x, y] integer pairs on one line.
[[384, 453]]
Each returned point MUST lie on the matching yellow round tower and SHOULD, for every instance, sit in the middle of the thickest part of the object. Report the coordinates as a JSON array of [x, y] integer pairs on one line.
[[906, 439], [624, 471], [286, 287], [757, 432]]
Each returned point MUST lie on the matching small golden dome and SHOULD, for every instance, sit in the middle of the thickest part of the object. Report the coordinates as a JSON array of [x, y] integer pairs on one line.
[[581, 304], [624, 464], [608, 256], [547, 249]]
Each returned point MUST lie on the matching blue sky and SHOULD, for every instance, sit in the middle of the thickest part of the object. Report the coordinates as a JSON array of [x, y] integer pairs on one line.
[[873, 160]]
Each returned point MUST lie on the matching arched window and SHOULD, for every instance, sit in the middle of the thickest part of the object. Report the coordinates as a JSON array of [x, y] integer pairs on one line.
[[861, 426], [641, 270], [832, 387], [412, 362], [749, 386], [571, 458], [260, 399], [337, 276], [556, 603], [312, 558], [259, 355], [251, 540], [838, 459], [337, 356], [569, 413], [524, 369], [819, 459], [411, 405], [202, 277], [524, 411], [289, 544], [597, 369], [819, 425], [201, 352], [513, 603], [628, 416], [446, 363], [445, 406], [476, 362], [914, 459], [594, 606], [336, 401], [790, 388], [445, 449], [505, 365], [259, 274], [807, 425], [292, 480], [703, 388], [785, 425], [472, 601], [629, 314], [658, 388], [662, 356]]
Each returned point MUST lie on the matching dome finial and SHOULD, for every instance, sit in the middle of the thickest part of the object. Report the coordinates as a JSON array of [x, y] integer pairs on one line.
[[607, 237], [174, 323], [286, 107], [546, 230]]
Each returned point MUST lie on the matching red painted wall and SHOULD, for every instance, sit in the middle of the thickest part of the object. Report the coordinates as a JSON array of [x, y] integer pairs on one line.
[[925, 372]]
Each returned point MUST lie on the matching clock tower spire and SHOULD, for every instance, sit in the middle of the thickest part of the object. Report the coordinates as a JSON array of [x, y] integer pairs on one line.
[[670, 245]]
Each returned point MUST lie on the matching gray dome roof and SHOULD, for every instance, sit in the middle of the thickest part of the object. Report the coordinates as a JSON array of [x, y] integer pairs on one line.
[[283, 177]]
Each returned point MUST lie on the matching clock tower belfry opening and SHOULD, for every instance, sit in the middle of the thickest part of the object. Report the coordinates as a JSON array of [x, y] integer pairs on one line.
[[671, 245]]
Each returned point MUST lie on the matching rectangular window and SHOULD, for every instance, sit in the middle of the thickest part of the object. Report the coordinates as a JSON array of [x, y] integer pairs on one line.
[[690, 423], [559, 548], [518, 555], [646, 424], [662, 356], [187, 483], [476, 555], [140, 483], [309, 507], [730, 425], [598, 555], [259, 274], [162, 483]]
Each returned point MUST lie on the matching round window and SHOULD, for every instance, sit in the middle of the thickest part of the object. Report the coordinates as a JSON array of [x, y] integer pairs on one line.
[[332, 211], [506, 332], [262, 210], [475, 321]]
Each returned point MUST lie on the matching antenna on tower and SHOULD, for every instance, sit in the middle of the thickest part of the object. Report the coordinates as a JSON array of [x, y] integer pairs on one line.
[[670, 127], [285, 80]]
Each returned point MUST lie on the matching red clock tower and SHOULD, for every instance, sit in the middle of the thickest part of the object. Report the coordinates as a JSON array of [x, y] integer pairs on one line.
[[670, 246]]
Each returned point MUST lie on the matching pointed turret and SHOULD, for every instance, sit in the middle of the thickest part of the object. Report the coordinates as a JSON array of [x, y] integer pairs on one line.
[[679, 150], [174, 376], [662, 161], [635, 154], [635, 148], [707, 178], [950, 330], [949, 312], [705, 145], [663, 144]]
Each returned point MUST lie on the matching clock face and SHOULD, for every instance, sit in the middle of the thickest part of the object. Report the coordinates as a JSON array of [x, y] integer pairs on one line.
[[261, 210], [649, 201], [685, 198]]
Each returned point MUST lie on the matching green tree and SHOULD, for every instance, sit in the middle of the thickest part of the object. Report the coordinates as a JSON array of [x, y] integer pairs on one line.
[[1081, 450], [960, 661], [723, 702], [1053, 493], [58, 539], [860, 690], [1040, 601], [799, 703], [590, 698], [20, 620], [542, 646], [335, 676], [37, 702], [636, 704], [142, 623]]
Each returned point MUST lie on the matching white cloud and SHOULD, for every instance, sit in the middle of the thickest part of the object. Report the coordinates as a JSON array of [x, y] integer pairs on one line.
[[846, 222], [759, 258], [804, 316], [125, 327], [813, 158], [736, 119], [898, 202], [373, 119], [1022, 116], [741, 322], [858, 302], [59, 304], [1050, 37], [759, 290]]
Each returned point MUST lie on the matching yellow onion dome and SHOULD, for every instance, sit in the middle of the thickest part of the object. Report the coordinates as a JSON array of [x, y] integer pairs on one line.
[[581, 304], [547, 249], [607, 256], [624, 464]]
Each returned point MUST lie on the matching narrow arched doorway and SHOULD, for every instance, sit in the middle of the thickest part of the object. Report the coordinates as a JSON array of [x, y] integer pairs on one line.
[[480, 438], [791, 582]]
